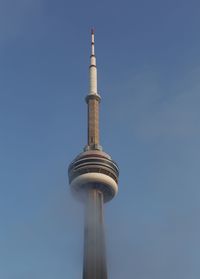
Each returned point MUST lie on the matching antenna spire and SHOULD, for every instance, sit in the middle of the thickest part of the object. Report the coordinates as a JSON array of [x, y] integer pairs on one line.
[[92, 68], [92, 42], [93, 100]]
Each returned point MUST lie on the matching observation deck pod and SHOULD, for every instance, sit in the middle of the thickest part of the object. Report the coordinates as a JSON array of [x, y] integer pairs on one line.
[[93, 169]]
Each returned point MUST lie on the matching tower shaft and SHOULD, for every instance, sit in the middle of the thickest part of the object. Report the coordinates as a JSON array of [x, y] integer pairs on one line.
[[93, 122], [94, 266]]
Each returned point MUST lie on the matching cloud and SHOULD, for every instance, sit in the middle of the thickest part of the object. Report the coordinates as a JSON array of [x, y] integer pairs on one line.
[[156, 112], [153, 228]]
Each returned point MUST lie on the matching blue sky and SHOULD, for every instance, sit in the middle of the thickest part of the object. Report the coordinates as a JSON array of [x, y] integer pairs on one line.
[[148, 72]]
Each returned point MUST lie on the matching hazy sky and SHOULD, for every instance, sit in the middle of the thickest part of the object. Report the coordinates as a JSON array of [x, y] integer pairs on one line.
[[149, 79]]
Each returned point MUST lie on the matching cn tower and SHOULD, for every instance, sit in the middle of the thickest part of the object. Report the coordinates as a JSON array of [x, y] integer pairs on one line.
[[93, 178]]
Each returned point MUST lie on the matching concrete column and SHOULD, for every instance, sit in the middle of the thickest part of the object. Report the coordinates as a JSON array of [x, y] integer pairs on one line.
[[93, 122]]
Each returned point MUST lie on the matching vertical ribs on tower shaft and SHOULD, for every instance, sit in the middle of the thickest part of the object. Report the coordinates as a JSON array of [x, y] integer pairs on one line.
[[93, 122]]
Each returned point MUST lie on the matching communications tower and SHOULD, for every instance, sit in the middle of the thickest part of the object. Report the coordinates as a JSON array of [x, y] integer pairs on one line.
[[93, 178]]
